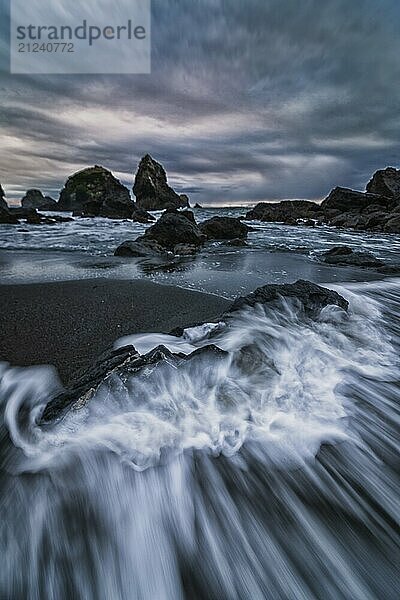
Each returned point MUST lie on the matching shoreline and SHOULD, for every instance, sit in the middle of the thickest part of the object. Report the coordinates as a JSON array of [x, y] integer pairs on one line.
[[69, 324]]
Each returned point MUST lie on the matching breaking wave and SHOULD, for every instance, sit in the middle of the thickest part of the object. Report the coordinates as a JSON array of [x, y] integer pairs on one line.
[[256, 458]]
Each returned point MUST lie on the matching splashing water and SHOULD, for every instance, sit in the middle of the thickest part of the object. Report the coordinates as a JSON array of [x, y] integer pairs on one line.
[[265, 469]]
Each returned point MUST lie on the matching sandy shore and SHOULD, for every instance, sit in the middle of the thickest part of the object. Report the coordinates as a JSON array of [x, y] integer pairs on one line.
[[68, 324]]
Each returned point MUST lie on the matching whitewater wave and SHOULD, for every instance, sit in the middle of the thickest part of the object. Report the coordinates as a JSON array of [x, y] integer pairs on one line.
[[255, 459]]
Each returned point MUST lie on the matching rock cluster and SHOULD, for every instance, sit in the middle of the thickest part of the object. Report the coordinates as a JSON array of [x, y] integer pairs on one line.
[[151, 187], [177, 232], [376, 209], [35, 199]]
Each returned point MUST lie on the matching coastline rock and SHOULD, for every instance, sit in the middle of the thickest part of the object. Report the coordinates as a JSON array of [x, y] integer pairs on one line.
[[140, 249], [237, 242], [152, 190], [174, 228], [35, 199], [343, 255], [141, 216], [385, 182], [345, 199], [311, 297], [224, 228], [95, 192], [286, 211], [6, 216], [197, 205]]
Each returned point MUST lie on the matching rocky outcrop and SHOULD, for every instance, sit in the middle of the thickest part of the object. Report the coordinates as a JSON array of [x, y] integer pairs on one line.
[[152, 190], [141, 216], [286, 211], [385, 182], [346, 200], [197, 205], [343, 255], [6, 216], [95, 192], [224, 228], [310, 296], [35, 199], [175, 232]]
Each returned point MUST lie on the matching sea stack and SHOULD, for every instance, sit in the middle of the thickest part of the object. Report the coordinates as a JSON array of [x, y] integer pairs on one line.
[[95, 192], [35, 199], [152, 190]]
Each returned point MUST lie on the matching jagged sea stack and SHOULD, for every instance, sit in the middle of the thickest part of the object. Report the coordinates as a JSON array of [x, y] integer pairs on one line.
[[96, 192], [152, 190]]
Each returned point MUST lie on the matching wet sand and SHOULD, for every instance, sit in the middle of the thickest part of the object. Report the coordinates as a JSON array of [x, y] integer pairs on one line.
[[68, 324]]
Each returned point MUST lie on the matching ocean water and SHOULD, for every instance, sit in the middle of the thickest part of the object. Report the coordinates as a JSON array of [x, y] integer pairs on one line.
[[276, 253], [270, 472]]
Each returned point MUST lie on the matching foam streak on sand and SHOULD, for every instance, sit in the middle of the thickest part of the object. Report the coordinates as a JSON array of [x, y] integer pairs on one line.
[[262, 466]]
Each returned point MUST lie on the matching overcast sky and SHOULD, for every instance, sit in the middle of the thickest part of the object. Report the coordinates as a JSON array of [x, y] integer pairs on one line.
[[248, 100]]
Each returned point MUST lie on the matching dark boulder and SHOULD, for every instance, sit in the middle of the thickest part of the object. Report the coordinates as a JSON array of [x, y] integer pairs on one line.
[[310, 296], [95, 192], [286, 211], [224, 228], [6, 216], [385, 182], [197, 205], [35, 199], [344, 200], [343, 255], [152, 190], [174, 228], [141, 216], [237, 242], [140, 248]]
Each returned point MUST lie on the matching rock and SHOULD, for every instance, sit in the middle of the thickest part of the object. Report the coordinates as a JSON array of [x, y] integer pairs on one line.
[[189, 215], [197, 205], [95, 192], [152, 190], [343, 255], [284, 211], [392, 224], [3, 203], [142, 216], [174, 228], [239, 242], [35, 199], [185, 250], [224, 228], [344, 200], [311, 297], [385, 182], [6, 216], [140, 249]]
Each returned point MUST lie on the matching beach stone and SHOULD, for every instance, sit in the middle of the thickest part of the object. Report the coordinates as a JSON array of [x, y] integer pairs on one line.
[[311, 297], [35, 199], [139, 249], [224, 228], [343, 255], [385, 182], [151, 187], [95, 192], [237, 242]]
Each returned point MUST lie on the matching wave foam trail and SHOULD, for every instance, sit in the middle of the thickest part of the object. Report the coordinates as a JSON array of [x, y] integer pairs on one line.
[[256, 458]]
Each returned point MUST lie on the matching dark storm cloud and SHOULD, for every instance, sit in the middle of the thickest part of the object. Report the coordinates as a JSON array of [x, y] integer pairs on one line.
[[247, 100]]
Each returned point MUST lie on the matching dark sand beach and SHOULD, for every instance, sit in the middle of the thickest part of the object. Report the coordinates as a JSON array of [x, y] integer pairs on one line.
[[68, 324]]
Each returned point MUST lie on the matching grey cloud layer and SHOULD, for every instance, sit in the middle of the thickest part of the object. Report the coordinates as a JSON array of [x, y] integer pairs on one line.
[[248, 100]]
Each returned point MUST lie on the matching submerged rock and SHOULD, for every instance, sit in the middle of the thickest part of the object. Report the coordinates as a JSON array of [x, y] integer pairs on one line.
[[35, 199], [311, 296], [95, 192], [224, 228], [385, 182], [343, 255], [152, 190]]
